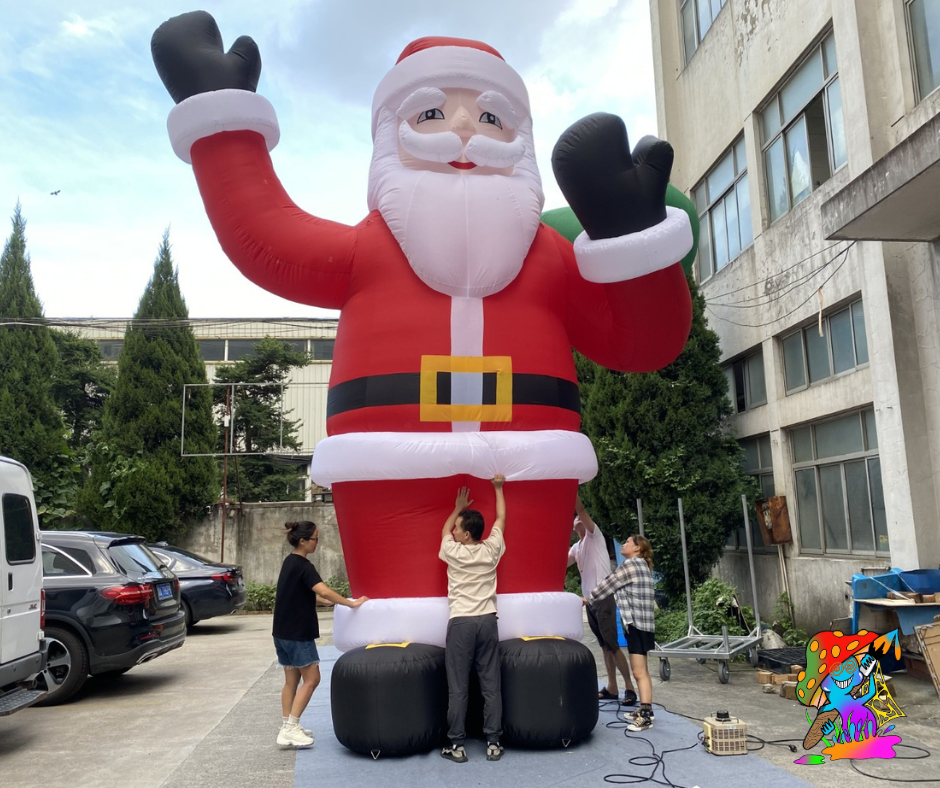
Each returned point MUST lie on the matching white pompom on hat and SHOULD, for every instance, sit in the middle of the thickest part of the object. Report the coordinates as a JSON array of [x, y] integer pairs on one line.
[[443, 62]]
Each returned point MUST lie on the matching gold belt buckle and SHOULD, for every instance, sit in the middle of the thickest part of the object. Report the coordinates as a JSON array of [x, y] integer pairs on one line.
[[432, 410]]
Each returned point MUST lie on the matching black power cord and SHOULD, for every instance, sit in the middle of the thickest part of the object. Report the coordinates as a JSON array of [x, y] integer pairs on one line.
[[657, 760]]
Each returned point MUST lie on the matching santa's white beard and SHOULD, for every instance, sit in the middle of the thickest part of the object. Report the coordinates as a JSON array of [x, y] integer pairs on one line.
[[464, 234]]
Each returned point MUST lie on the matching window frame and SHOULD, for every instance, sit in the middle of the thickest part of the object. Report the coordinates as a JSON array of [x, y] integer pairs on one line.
[[733, 393], [784, 126], [737, 540], [707, 207], [697, 35], [870, 451], [801, 331], [919, 95]]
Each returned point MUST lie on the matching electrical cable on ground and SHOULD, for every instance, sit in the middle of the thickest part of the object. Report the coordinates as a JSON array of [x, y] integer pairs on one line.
[[658, 760]]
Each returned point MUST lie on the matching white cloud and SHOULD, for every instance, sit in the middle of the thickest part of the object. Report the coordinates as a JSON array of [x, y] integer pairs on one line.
[[84, 113]]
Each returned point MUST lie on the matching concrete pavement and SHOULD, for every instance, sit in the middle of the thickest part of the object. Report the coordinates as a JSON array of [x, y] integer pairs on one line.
[[206, 715]]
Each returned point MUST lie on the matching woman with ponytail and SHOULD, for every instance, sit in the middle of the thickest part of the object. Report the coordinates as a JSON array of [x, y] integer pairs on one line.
[[296, 629], [632, 585]]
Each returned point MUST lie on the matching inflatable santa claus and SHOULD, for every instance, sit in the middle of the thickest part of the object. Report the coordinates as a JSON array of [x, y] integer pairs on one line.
[[459, 308]]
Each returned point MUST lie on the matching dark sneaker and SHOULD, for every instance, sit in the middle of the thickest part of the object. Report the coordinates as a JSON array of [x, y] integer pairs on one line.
[[494, 751], [629, 698], [456, 754], [631, 715], [642, 721]]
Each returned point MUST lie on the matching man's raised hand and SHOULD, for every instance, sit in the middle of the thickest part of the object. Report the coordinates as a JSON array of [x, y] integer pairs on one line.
[[187, 51], [498, 481], [463, 499]]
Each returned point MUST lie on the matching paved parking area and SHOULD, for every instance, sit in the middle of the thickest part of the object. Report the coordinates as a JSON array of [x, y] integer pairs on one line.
[[206, 716]]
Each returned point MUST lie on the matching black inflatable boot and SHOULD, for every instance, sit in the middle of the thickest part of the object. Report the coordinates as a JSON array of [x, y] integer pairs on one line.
[[549, 688], [390, 699]]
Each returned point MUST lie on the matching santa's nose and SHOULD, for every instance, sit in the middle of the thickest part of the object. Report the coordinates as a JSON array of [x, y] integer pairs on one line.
[[462, 122]]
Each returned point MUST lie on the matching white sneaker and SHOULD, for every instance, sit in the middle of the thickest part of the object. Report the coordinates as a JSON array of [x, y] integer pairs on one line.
[[293, 736], [306, 732]]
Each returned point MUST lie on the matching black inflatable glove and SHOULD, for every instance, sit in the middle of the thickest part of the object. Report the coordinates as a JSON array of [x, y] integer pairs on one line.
[[611, 192], [187, 51]]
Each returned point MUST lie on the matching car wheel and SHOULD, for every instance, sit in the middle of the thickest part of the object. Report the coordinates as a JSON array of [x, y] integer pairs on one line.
[[66, 670], [188, 611]]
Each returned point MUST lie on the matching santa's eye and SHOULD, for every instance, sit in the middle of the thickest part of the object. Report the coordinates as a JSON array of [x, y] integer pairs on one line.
[[430, 114], [489, 117]]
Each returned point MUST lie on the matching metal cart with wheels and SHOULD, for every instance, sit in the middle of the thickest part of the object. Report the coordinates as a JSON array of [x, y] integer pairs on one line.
[[699, 646]]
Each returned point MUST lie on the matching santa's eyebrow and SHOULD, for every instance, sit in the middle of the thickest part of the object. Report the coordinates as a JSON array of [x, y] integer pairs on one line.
[[422, 98], [495, 102]]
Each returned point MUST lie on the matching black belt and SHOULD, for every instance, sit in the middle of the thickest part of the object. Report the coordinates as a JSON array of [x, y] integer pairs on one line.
[[404, 388]]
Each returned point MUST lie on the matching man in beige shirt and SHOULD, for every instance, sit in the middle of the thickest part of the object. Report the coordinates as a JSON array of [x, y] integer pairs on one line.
[[472, 632]]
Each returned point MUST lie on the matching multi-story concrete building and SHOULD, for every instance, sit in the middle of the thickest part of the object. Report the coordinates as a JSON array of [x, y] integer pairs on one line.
[[808, 134]]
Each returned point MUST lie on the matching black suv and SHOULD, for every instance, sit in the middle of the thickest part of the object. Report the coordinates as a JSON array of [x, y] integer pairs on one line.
[[110, 605]]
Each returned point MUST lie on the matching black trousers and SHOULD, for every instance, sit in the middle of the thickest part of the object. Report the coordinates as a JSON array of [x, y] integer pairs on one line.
[[473, 641]]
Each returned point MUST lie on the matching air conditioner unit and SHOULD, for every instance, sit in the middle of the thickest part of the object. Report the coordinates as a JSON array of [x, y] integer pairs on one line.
[[725, 735]]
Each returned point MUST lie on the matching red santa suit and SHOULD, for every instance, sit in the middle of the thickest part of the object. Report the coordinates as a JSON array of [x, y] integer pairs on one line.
[[442, 379]]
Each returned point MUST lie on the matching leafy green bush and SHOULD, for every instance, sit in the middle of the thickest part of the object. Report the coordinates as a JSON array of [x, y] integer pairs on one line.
[[573, 581], [783, 623], [340, 585], [260, 597], [712, 608]]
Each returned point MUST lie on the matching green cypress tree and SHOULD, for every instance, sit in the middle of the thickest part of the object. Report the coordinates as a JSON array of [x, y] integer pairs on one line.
[[661, 436], [31, 426], [139, 482], [259, 424]]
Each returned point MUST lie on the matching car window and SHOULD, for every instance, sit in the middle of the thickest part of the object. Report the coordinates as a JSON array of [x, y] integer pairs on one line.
[[58, 564], [134, 559], [19, 533], [80, 556]]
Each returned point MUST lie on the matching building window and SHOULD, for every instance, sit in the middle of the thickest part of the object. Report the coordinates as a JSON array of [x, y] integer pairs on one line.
[[758, 462], [803, 132], [110, 348], [697, 16], [322, 349], [723, 203], [746, 386], [923, 20], [239, 348], [809, 357], [211, 349], [839, 496]]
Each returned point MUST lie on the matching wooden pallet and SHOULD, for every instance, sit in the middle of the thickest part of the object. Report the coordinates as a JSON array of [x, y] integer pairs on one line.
[[929, 637]]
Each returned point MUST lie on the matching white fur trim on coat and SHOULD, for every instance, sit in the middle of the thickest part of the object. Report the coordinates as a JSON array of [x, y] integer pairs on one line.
[[206, 114], [637, 254], [519, 455], [424, 620]]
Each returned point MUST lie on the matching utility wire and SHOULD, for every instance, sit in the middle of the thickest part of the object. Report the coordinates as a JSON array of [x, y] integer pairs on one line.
[[792, 311], [788, 268]]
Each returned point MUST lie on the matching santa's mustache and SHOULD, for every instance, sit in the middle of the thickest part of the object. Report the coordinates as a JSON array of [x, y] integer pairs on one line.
[[446, 146]]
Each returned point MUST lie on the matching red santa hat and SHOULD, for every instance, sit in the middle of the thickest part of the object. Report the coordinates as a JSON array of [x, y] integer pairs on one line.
[[443, 62]]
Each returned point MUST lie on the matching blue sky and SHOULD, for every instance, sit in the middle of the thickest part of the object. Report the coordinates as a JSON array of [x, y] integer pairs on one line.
[[83, 113]]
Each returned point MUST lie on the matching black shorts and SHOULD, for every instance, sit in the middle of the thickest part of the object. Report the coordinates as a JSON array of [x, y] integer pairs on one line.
[[602, 619], [639, 641]]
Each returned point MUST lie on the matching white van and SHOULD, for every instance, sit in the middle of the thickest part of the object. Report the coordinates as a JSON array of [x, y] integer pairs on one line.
[[22, 600]]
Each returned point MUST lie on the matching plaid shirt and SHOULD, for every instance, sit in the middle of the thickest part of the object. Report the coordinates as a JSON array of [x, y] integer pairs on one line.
[[631, 583]]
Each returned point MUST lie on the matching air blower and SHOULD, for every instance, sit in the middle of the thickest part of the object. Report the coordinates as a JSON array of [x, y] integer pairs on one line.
[[725, 735]]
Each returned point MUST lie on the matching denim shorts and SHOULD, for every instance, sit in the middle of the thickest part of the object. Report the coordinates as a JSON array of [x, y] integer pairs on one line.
[[296, 653]]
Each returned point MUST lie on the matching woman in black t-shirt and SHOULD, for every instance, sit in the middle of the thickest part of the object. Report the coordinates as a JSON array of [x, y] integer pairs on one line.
[[296, 629]]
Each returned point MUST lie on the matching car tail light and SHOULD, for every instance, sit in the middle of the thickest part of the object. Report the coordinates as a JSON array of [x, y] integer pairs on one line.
[[42, 608], [228, 577], [128, 595]]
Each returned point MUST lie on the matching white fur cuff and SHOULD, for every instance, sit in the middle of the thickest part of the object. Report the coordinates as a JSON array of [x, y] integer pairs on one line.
[[424, 620], [637, 254], [206, 114]]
